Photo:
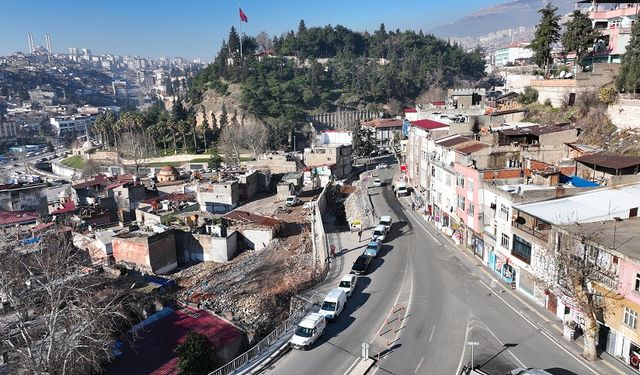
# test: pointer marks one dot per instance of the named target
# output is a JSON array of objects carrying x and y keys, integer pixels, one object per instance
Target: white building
[
  {"x": 512, "y": 53},
  {"x": 67, "y": 124},
  {"x": 8, "y": 130}
]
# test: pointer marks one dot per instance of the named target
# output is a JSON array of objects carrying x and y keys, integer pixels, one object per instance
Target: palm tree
[{"x": 174, "y": 127}]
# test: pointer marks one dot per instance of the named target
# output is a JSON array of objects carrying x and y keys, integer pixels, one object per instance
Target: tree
[
  {"x": 196, "y": 355},
  {"x": 50, "y": 147},
  {"x": 205, "y": 129},
  {"x": 628, "y": 78},
  {"x": 90, "y": 169},
  {"x": 63, "y": 314},
  {"x": 230, "y": 144},
  {"x": 528, "y": 96},
  {"x": 215, "y": 160},
  {"x": 224, "y": 118},
  {"x": 579, "y": 35},
  {"x": 547, "y": 33},
  {"x": 254, "y": 136},
  {"x": 577, "y": 266},
  {"x": 234, "y": 42},
  {"x": 178, "y": 112},
  {"x": 363, "y": 143},
  {"x": 263, "y": 41},
  {"x": 134, "y": 147}
]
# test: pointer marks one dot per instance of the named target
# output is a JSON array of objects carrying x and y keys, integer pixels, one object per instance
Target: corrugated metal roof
[
  {"x": 608, "y": 160},
  {"x": 452, "y": 141},
  {"x": 471, "y": 147},
  {"x": 594, "y": 205},
  {"x": 17, "y": 217},
  {"x": 245, "y": 217}
]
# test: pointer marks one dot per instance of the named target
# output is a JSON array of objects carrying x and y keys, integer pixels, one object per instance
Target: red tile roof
[
  {"x": 98, "y": 180},
  {"x": 245, "y": 217},
  {"x": 439, "y": 103},
  {"x": 410, "y": 110},
  {"x": 452, "y": 141},
  {"x": 471, "y": 147},
  {"x": 427, "y": 124},
  {"x": 17, "y": 217},
  {"x": 66, "y": 207},
  {"x": 153, "y": 350}
]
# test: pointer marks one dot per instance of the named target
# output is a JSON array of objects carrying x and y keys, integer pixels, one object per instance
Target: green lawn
[{"x": 75, "y": 161}]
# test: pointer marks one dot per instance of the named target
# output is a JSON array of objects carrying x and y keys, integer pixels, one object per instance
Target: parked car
[
  {"x": 382, "y": 166},
  {"x": 377, "y": 182},
  {"x": 372, "y": 249},
  {"x": 348, "y": 284},
  {"x": 402, "y": 190},
  {"x": 308, "y": 331},
  {"x": 386, "y": 221},
  {"x": 361, "y": 265},
  {"x": 292, "y": 200},
  {"x": 379, "y": 233},
  {"x": 333, "y": 303},
  {"x": 528, "y": 371}
]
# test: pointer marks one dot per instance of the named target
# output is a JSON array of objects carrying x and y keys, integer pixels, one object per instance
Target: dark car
[{"x": 361, "y": 265}]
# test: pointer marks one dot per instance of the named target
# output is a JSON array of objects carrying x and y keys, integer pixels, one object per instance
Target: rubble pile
[{"x": 358, "y": 205}]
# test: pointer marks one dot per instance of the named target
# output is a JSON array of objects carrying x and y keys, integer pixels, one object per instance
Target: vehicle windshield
[
  {"x": 304, "y": 332},
  {"x": 328, "y": 306},
  {"x": 385, "y": 222},
  {"x": 377, "y": 233},
  {"x": 345, "y": 284}
]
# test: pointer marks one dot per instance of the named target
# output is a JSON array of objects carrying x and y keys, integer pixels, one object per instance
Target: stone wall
[
  {"x": 625, "y": 114},
  {"x": 194, "y": 247}
]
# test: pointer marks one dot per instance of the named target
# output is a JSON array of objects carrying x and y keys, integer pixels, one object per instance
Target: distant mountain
[{"x": 512, "y": 15}]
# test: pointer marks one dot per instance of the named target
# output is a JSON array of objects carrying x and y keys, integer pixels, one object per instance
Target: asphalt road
[{"x": 420, "y": 305}]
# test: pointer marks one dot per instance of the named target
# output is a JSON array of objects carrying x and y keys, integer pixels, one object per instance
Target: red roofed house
[
  {"x": 10, "y": 219},
  {"x": 411, "y": 114},
  {"x": 153, "y": 351},
  {"x": 384, "y": 130}
]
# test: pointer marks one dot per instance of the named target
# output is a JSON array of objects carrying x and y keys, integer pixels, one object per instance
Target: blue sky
[{"x": 195, "y": 28}]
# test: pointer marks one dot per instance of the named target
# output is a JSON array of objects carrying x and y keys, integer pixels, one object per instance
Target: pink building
[
  {"x": 615, "y": 27},
  {"x": 469, "y": 204}
]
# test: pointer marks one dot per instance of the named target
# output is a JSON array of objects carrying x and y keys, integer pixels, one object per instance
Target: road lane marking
[
  {"x": 431, "y": 336},
  {"x": 352, "y": 366},
  {"x": 419, "y": 364},
  {"x": 539, "y": 329},
  {"x": 425, "y": 229},
  {"x": 501, "y": 343},
  {"x": 464, "y": 345}
]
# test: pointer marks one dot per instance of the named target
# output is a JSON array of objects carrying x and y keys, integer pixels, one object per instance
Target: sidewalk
[{"x": 528, "y": 309}]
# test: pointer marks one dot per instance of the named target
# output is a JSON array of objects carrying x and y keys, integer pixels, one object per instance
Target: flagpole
[{"x": 240, "y": 31}]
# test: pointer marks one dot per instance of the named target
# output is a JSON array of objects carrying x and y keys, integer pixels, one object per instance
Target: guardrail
[{"x": 265, "y": 343}]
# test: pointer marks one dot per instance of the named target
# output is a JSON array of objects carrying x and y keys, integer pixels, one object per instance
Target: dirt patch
[{"x": 254, "y": 289}]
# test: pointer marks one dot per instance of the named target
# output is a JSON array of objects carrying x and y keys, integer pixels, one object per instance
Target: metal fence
[{"x": 265, "y": 343}]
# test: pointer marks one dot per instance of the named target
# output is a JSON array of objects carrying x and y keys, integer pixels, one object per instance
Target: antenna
[{"x": 32, "y": 47}]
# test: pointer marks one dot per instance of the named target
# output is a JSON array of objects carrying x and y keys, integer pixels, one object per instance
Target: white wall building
[
  {"x": 512, "y": 53},
  {"x": 66, "y": 124}
]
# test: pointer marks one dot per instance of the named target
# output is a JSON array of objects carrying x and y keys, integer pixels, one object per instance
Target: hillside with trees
[{"x": 320, "y": 69}]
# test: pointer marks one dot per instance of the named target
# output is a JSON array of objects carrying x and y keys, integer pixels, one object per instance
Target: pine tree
[
  {"x": 628, "y": 79},
  {"x": 301, "y": 27},
  {"x": 579, "y": 35},
  {"x": 224, "y": 120},
  {"x": 234, "y": 42},
  {"x": 546, "y": 35},
  {"x": 196, "y": 355}
]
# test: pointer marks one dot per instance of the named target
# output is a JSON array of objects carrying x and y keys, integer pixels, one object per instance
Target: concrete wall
[
  {"x": 63, "y": 171},
  {"x": 625, "y": 113},
  {"x": 155, "y": 253},
  {"x": 257, "y": 238},
  {"x": 193, "y": 247}
]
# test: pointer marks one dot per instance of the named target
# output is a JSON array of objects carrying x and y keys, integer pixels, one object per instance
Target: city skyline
[{"x": 151, "y": 29}]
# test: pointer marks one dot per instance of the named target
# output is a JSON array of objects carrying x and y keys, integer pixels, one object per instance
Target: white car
[
  {"x": 348, "y": 284},
  {"x": 377, "y": 182},
  {"x": 528, "y": 371},
  {"x": 379, "y": 233},
  {"x": 308, "y": 331},
  {"x": 386, "y": 221},
  {"x": 292, "y": 200}
]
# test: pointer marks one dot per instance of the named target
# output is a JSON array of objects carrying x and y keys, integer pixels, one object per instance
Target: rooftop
[
  {"x": 452, "y": 140},
  {"x": 153, "y": 350},
  {"x": 595, "y": 205},
  {"x": 471, "y": 147},
  {"x": 244, "y": 217},
  {"x": 383, "y": 123},
  {"x": 427, "y": 124},
  {"x": 608, "y": 160},
  {"x": 17, "y": 217},
  {"x": 620, "y": 236}
]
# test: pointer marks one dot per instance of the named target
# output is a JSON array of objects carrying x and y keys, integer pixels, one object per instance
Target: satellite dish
[
  {"x": 521, "y": 220},
  {"x": 562, "y": 74}
]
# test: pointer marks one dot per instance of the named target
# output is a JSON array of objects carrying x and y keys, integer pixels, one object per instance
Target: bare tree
[
  {"x": 62, "y": 314},
  {"x": 580, "y": 267},
  {"x": 134, "y": 147},
  {"x": 91, "y": 168},
  {"x": 263, "y": 41},
  {"x": 254, "y": 136},
  {"x": 230, "y": 143}
]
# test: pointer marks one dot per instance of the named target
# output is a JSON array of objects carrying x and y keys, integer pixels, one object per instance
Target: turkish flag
[{"x": 243, "y": 17}]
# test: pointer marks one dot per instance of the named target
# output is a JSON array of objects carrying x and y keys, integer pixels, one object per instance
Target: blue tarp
[
  {"x": 577, "y": 181},
  {"x": 31, "y": 241}
]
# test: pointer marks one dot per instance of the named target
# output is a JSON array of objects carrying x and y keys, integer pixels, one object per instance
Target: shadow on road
[
  {"x": 397, "y": 229},
  {"x": 560, "y": 371},
  {"x": 506, "y": 347}
]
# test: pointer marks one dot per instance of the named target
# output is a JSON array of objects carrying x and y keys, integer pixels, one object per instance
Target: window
[
  {"x": 637, "y": 287},
  {"x": 504, "y": 210},
  {"x": 504, "y": 241},
  {"x": 470, "y": 183},
  {"x": 447, "y": 180},
  {"x": 461, "y": 202},
  {"x": 630, "y": 317},
  {"x": 521, "y": 249},
  {"x": 460, "y": 180},
  {"x": 470, "y": 209}
]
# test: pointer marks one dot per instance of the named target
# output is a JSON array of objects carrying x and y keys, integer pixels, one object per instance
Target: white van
[
  {"x": 333, "y": 304},
  {"x": 386, "y": 221},
  {"x": 379, "y": 233},
  {"x": 348, "y": 284},
  {"x": 308, "y": 331}
]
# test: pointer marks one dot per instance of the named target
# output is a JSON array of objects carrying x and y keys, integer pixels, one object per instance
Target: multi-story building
[
  {"x": 69, "y": 124},
  {"x": 8, "y": 130},
  {"x": 23, "y": 197},
  {"x": 614, "y": 26},
  {"x": 512, "y": 54},
  {"x": 384, "y": 132},
  {"x": 336, "y": 156}
]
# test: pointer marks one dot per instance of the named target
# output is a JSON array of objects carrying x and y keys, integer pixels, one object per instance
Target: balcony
[
  {"x": 539, "y": 234},
  {"x": 613, "y": 13}
]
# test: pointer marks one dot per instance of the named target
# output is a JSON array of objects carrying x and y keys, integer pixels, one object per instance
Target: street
[{"x": 421, "y": 304}]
